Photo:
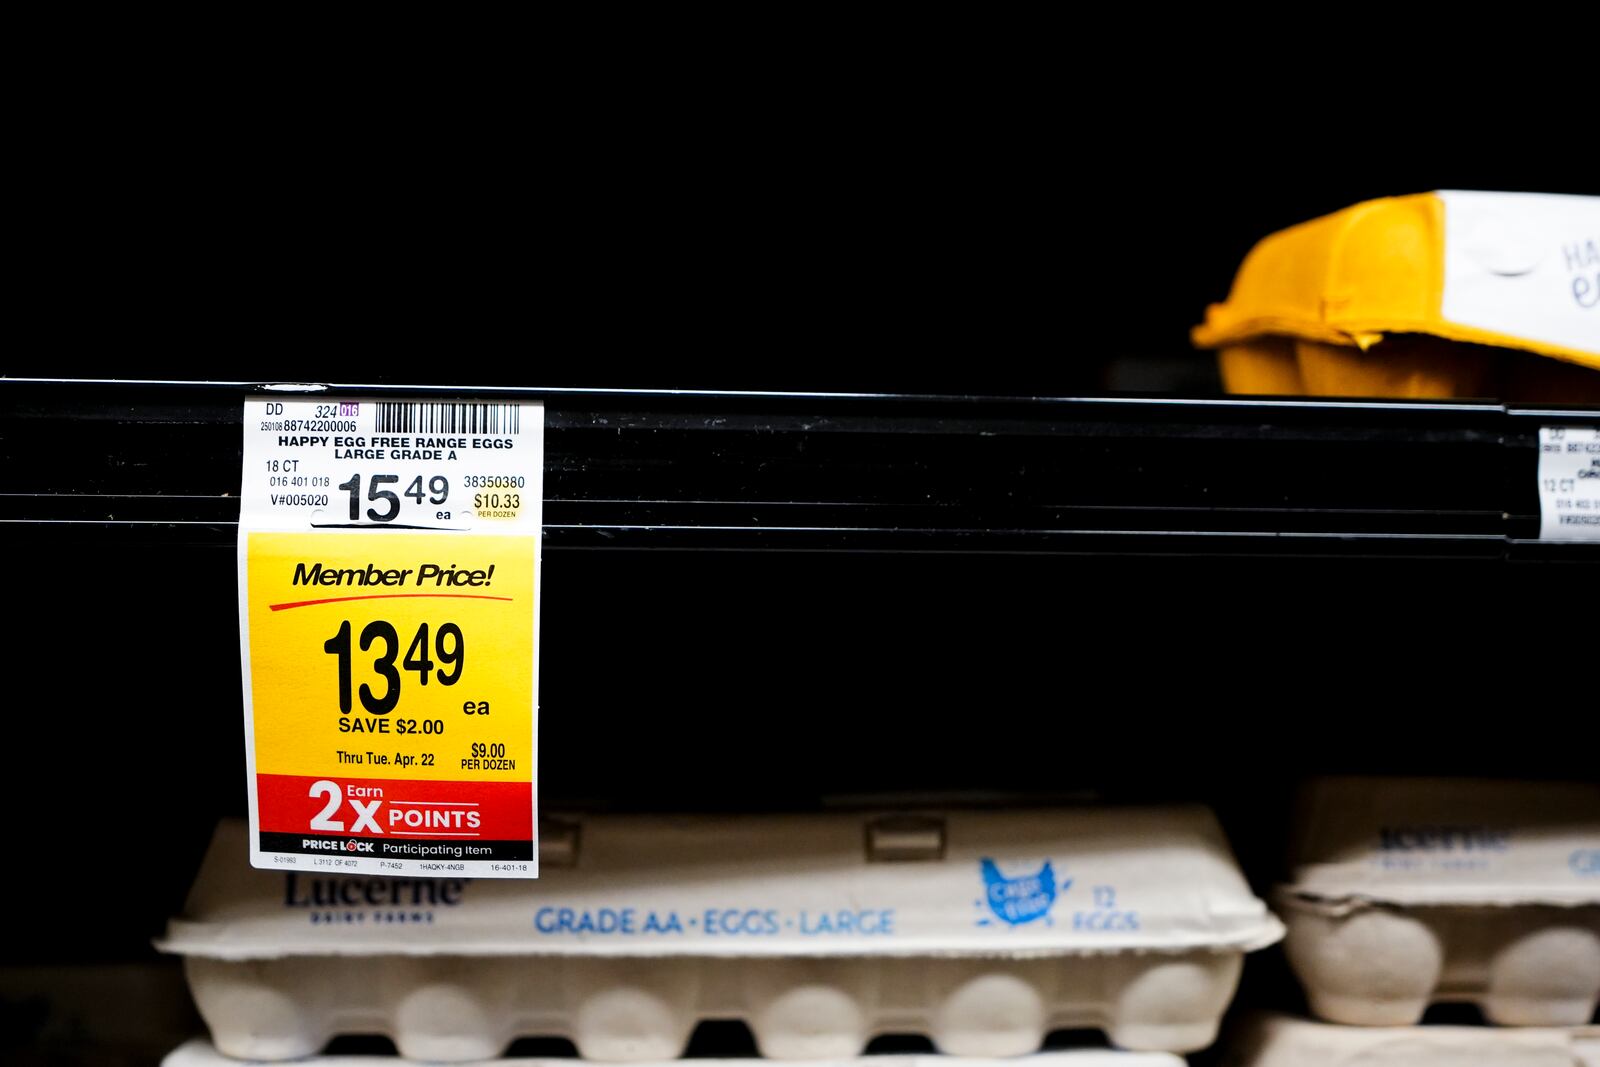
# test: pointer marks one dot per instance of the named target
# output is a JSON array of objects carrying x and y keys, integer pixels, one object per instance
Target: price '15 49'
[
  {"x": 437, "y": 492},
  {"x": 449, "y": 649}
]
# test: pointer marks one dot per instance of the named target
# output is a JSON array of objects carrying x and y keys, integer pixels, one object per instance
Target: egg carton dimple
[
  {"x": 1383, "y": 966},
  {"x": 1413, "y": 892},
  {"x": 463, "y": 1008},
  {"x": 200, "y": 1053},
  {"x": 982, "y": 930}
]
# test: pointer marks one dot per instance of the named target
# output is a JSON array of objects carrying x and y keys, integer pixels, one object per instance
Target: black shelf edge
[{"x": 687, "y": 470}]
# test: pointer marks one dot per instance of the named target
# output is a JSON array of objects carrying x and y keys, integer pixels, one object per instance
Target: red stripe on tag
[{"x": 384, "y": 807}]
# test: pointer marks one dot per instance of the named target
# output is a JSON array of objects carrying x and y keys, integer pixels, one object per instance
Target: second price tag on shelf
[{"x": 389, "y": 622}]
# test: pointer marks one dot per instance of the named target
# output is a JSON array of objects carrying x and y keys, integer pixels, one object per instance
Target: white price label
[
  {"x": 392, "y": 465},
  {"x": 1524, "y": 264},
  {"x": 388, "y": 605},
  {"x": 1569, "y": 483}
]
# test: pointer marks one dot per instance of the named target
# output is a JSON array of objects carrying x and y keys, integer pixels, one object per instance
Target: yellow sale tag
[{"x": 391, "y": 651}]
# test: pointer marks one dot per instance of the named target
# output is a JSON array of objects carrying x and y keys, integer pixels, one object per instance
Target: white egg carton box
[
  {"x": 984, "y": 930},
  {"x": 1280, "y": 1041},
  {"x": 1407, "y": 892},
  {"x": 201, "y": 1053}
]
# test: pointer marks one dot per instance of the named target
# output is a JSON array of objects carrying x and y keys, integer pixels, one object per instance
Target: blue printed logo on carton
[
  {"x": 1018, "y": 899},
  {"x": 1585, "y": 862}
]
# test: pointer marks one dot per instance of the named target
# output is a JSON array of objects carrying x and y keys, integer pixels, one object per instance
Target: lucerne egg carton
[
  {"x": 983, "y": 930},
  {"x": 199, "y": 1053},
  {"x": 1408, "y": 892},
  {"x": 1279, "y": 1041}
]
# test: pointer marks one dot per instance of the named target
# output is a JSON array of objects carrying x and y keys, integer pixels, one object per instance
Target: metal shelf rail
[{"x": 159, "y": 461}]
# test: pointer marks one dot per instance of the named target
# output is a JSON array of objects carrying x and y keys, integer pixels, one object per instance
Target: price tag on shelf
[
  {"x": 388, "y": 608},
  {"x": 1569, "y": 483}
]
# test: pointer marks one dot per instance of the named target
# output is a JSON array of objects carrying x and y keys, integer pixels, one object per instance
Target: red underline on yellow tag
[{"x": 385, "y": 596}]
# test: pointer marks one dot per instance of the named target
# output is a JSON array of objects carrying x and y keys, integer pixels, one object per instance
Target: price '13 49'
[{"x": 449, "y": 648}]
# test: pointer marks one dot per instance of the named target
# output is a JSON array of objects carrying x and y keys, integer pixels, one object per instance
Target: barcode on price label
[{"x": 395, "y": 417}]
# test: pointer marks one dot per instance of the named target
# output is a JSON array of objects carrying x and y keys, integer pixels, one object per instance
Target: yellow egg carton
[{"x": 1441, "y": 294}]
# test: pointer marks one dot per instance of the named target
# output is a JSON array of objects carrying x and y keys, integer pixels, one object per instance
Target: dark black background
[
  {"x": 1024, "y": 228},
  {"x": 902, "y": 219}
]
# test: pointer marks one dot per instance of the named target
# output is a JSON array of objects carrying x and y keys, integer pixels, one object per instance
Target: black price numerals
[
  {"x": 437, "y": 492},
  {"x": 449, "y": 648}
]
